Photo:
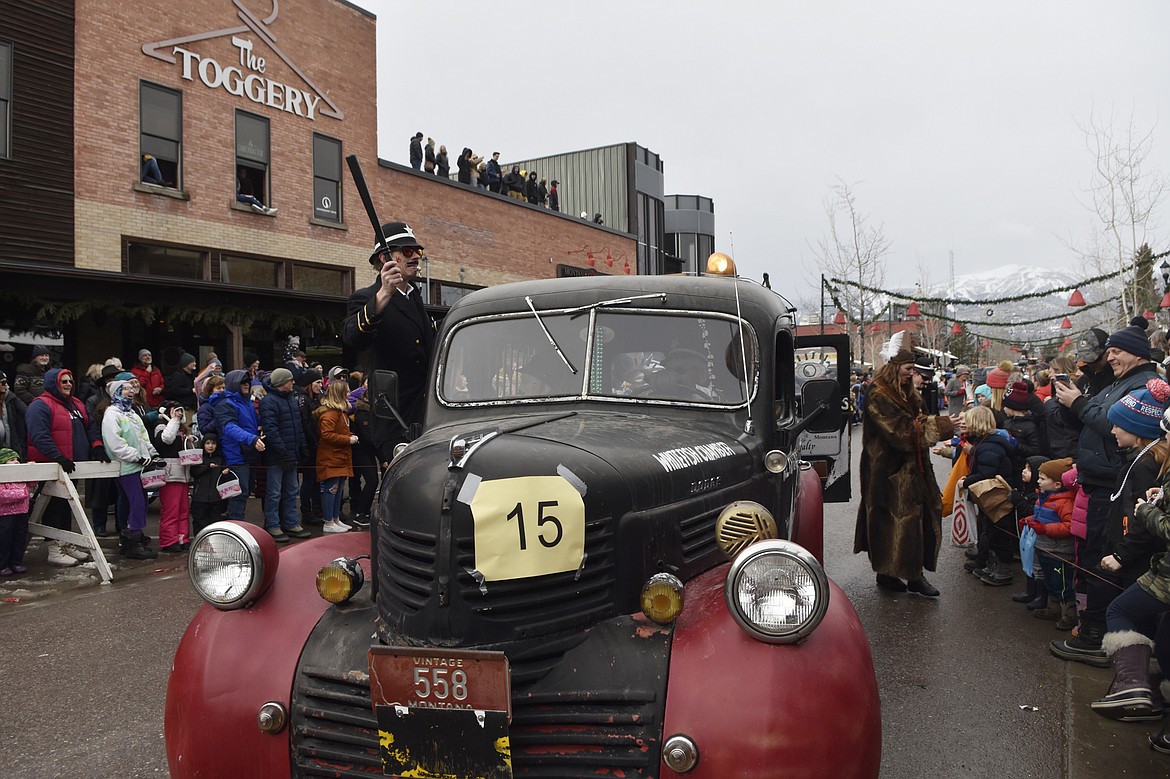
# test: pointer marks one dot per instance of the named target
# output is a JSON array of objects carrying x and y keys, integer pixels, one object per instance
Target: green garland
[
  {"x": 976, "y": 322},
  {"x": 989, "y": 301}
]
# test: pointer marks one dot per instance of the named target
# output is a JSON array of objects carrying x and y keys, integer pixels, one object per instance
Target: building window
[
  {"x": 146, "y": 259},
  {"x": 160, "y": 121},
  {"x": 252, "y": 157},
  {"x": 248, "y": 272},
  {"x": 330, "y": 281},
  {"x": 448, "y": 292},
  {"x": 326, "y": 178}
]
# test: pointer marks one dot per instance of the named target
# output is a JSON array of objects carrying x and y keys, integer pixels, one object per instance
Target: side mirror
[
  {"x": 821, "y": 403},
  {"x": 383, "y": 397}
]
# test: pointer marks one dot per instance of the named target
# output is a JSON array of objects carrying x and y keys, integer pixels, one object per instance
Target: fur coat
[{"x": 899, "y": 521}]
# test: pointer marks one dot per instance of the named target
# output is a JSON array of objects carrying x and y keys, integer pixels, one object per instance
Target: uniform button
[{"x": 416, "y": 342}]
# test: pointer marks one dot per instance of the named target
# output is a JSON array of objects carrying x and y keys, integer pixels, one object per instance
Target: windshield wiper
[
  {"x": 614, "y": 302},
  {"x": 551, "y": 340}
]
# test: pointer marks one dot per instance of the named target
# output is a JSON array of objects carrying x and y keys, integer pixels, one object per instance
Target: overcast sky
[{"x": 958, "y": 125}]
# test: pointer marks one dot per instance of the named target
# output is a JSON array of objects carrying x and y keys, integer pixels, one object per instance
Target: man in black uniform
[{"x": 388, "y": 321}]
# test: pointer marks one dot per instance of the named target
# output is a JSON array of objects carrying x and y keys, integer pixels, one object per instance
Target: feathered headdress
[{"x": 895, "y": 352}]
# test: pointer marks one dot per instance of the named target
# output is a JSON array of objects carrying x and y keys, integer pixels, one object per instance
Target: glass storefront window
[
  {"x": 309, "y": 278},
  {"x": 150, "y": 260},
  {"x": 249, "y": 272}
]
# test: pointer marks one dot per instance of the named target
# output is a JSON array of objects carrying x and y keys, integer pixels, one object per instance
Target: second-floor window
[
  {"x": 252, "y": 157},
  {"x": 160, "y": 140},
  {"x": 326, "y": 178}
]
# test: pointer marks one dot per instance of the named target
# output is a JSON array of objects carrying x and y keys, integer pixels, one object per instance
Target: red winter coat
[
  {"x": 334, "y": 451},
  {"x": 150, "y": 381}
]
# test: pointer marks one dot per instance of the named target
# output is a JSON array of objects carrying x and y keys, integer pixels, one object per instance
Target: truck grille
[
  {"x": 408, "y": 562},
  {"x": 593, "y": 714}
]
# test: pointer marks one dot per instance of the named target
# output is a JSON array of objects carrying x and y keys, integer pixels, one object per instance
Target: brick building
[{"x": 119, "y": 251}]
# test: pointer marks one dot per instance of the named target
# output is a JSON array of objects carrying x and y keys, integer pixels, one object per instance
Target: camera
[{"x": 1063, "y": 377}]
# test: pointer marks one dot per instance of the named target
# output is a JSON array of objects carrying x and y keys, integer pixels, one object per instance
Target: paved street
[{"x": 968, "y": 687}]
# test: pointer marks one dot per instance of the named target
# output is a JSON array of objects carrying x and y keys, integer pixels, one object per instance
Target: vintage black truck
[{"x": 601, "y": 557}]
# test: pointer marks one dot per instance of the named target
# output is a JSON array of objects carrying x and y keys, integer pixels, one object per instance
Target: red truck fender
[
  {"x": 809, "y": 517},
  {"x": 230, "y": 663},
  {"x": 803, "y": 711}
]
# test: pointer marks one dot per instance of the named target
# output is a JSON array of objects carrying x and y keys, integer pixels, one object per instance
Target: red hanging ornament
[
  {"x": 912, "y": 309},
  {"x": 1067, "y": 343},
  {"x": 986, "y": 343},
  {"x": 1076, "y": 298},
  {"x": 840, "y": 318},
  {"x": 1066, "y": 324},
  {"x": 589, "y": 259},
  {"x": 609, "y": 259},
  {"x": 1165, "y": 301},
  {"x": 956, "y": 329},
  {"x": 1148, "y": 314},
  {"x": 627, "y": 266}
]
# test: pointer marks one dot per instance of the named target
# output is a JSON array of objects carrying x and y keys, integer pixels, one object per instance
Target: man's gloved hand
[
  {"x": 65, "y": 463},
  {"x": 157, "y": 464},
  {"x": 144, "y": 461},
  {"x": 100, "y": 453}
]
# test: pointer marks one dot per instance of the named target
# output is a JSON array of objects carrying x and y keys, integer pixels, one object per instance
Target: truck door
[{"x": 826, "y": 357}]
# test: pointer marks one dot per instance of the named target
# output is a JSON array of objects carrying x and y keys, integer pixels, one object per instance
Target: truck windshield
[{"x": 661, "y": 356}]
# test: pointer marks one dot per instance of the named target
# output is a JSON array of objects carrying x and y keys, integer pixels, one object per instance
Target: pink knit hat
[{"x": 997, "y": 379}]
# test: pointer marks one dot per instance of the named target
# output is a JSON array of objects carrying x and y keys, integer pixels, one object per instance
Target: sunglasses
[{"x": 409, "y": 252}]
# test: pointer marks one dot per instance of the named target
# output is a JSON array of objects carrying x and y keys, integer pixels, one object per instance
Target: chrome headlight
[
  {"x": 231, "y": 564},
  {"x": 777, "y": 591}
]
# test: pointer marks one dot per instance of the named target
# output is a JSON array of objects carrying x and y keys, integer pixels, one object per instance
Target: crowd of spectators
[
  {"x": 474, "y": 171},
  {"x": 1066, "y": 464},
  {"x": 201, "y": 440}
]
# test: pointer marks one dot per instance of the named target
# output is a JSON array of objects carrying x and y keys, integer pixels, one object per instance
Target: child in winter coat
[
  {"x": 127, "y": 441},
  {"x": 206, "y": 505},
  {"x": 1052, "y": 521},
  {"x": 334, "y": 452},
  {"x": 169, "y": 435},
  {"x": 1024, "y": 500},
  {"x": 14, "y": 500},
  {"x": 990, "y": 455}
]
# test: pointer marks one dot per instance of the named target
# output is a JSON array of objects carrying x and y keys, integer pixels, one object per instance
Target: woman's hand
[
  {"x": 353, "y": 439},
  {"x": 1111, "y": 564}
]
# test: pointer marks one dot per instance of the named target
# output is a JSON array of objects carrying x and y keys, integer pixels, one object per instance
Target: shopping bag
[
  {"x": 190, "y": 454},
  {"x": 959, "y": 470},
  {"x": 963, "y": 531},
  {"x": 1027, "y": 549},
  {"x": 993, "y": 497},
  {"x": 230, "y": 488}
]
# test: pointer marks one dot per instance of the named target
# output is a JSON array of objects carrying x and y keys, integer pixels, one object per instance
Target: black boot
[
  {"x": 1029, "y": 593},
  {"x": 1041, "y": 599},
  {"x": 1129, "y": 695},
  {"x": 134, "y": 547},
  {"x": 1085, "y": 647}
]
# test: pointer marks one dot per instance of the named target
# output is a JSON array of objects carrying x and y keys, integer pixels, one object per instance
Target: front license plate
[
  {"x": 440, "y": 679},
  {"x": 442, "y": 712}
]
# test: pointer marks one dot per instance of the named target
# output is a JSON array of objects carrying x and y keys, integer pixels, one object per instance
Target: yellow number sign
[{"x": 528, "y": 526}]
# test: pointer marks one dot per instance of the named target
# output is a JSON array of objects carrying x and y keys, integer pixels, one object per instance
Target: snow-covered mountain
[{"x": 1012, "y": 280}]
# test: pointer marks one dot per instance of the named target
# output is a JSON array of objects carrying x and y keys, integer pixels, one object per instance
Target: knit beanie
[
  {"x": 38, "y": 350},
  {"x": 186, "y": 359},
  {"x": 997, "y": 377},
  {"x": 1140, "y": 412},
  {"x": 308, "y": 377},
  {"x": 1018, "y": 396},
  {"x": 124, "y": 376},
  {"x": 1054, "y": 469},
  {"x": 279, "y": 377},
  {"x": 1132, "y": 339},
  {"x": 7, "y": 456}
]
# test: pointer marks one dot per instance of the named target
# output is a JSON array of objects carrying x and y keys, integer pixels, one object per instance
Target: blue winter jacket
[
  {"x": 280, "y": 417},
  {"x": 235, "y": 416},
  {"x": 993, "y": 455}
]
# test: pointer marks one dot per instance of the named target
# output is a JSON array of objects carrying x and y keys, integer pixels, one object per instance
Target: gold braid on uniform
[{"x": 367, "y": 323}]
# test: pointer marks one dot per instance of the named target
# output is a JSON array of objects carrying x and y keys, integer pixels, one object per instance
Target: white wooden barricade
[{"x": 60, "y": 484}]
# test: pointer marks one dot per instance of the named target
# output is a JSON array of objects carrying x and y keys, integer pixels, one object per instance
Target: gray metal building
[
  {"x": 622, "y": 183},
  {"x": 690, "y": 232}
]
